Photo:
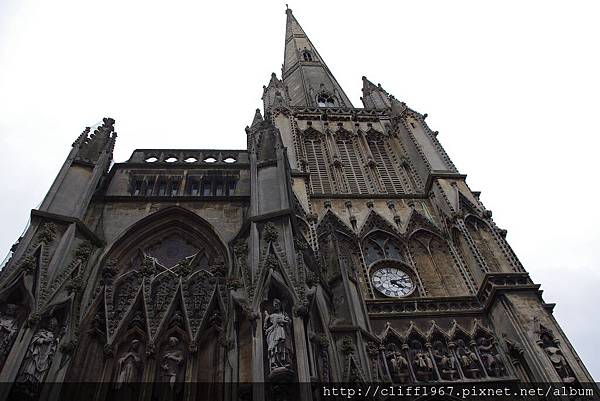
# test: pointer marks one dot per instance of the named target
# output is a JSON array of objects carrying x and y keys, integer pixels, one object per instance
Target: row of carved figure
[
  {"x": 409, "y": 357},
  {"x": 418, "y": 361},
  {"x": 461, "y": 355}
]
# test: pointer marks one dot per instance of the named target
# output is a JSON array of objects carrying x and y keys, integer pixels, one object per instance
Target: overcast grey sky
[{"x": 512, "y": 86}]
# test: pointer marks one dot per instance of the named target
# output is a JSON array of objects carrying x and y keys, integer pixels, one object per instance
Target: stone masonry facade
[{"x": 342, "y": 245}]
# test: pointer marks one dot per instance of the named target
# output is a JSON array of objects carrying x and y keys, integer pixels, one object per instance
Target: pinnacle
[{"x": 258, "y": 118}]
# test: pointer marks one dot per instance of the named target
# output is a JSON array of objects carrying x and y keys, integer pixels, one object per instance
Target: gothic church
[{"x": 342, "y": 245}]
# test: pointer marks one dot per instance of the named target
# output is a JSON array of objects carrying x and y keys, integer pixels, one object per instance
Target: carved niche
[
  {"x": 277, "y": 328},
  {"x": 551, "y": 346},
  {"x": 11, "y": 317},
  {"x": 39, "y": 357}
]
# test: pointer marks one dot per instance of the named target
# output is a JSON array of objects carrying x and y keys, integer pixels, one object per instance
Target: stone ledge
[{"x": 81, "y": 226}]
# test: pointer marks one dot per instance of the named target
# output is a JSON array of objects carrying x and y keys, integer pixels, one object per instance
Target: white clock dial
[{"x": 393, "y": 282}]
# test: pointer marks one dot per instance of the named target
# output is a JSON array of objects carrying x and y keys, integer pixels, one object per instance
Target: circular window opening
[
  {"x": 171, "y": 159},
  {"x": 209, "y": 160},
  {"x": 191, "y": 160},
  {"x": 151, "y": 159},
  {"x": 230, "y": 160}
]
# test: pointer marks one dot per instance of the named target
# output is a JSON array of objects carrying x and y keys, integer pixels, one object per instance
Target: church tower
[{"x": 342, "y": 245}]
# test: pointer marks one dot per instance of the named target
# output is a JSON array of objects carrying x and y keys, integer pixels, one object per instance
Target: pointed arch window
[
  {"x": 307, "y": 55},
  {"x": 355, "y": 176},
  {"x": 379, "y": 245},
  {"x": 316, "y": 156},
  {"x": 325, "y": 100},
  {"x": 385, "y": 164}
]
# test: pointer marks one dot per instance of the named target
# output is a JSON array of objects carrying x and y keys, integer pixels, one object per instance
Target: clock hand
[{"x": 397, "y": 283}]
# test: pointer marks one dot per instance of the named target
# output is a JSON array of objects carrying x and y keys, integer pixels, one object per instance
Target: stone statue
[
  {"x": 558, "y": 359},
  {"x": 422, "y": 362},
  {"x": 445, "y": 361},
  {"x": 39, "y": 354},
  {"x": 277, "y": 326},
  {"x": 171, "y": 362},
  {"x": 9, "y": 326},
  {"x": 468, "y": 360},
  {"x": 129, "y": 365},
  {"x": 489, "y": 356},
  {"x": 398, "y": 363}
]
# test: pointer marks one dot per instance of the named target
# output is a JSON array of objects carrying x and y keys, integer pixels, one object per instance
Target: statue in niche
[
  {"x": 277, "y": 326},
  {"x": 129, "y": 365},
  {"x": 445, "y": 361},
  {"x": 557, "y": 358},
  {"x": 398, "y": 364},
  {"x": 39, "y": 354},
  {"x": 468, "y": 360},
  {"x": 9, "y": 326},
  {"x": 489, "y": 357},
  {"x": 423, "y": 365},
  {"x": 171, "y": 362}
]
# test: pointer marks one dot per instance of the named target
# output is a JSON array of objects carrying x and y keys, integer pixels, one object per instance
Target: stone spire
[
  {"x": 91, "y": 146},
  {"x": 308, "y": 80},
  {"x": 258, "y": 118},
  {"x": 275, "y": 94},
  {"x": 374, "y": 96}
]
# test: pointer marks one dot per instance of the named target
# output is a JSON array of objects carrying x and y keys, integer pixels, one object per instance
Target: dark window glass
[
  {"x": 162, "y": 188},
  {"x": 194, "y": 187},
  {"x": 149, "y": 187},
  {"x": 206, "y": 188},
  {"x": 174, "y": 188},
  {"x": 137, "y": 187},
  {"x": 230, "y": 187},
  {"x": 219, "y": 188},
  {"x": 325, "y": 100}
]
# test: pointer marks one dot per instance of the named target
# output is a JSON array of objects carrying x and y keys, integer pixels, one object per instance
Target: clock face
[{"x": 393, "y": 282}]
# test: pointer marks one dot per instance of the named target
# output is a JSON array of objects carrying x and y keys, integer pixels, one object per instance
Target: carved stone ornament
[
  {"x": 270, "y": 233},
  {"x": 397, "y": 363},
  {"x": 171, "y": 362},
  {"x": 9, "y": 326},
  {"x": 347, "y": 346},
  {"x": 421, "y": 361},
  {"x": 129, "y": 365},
  {"x": 240, "y": 248},
  {"x": 47, "y": 233},
  {"x": 39, "y": 355},
  {"x": 468, "y": 360},
  {"x": 28, "y": 264},
  {"x": 445, "y": 361},
  {"x": 278, "y": 332},
  {"x": 551, "y": 345},
  {"x": 490, "y": 357},
  {"x": 83, "y": 251}
]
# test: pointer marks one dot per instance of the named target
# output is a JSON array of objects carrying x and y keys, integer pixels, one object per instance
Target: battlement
[{"x": 188, "y": 157}]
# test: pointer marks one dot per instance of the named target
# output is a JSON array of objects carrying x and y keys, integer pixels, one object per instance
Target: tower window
[
  {"x": 137, "y": 186},
  {"x": 194, "y": 187},
  {"x": 307, "y": 56},
  {"x": 230, "y": 187},
  {"x": 218, "y": 188},
  {"x": 162, "y": 187},
  {"x": 149, "y": 187},
  {"x": 206, "y": 188},
  {"x": 325, "y": 100},
  {"x": 174, "y": 187}
]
